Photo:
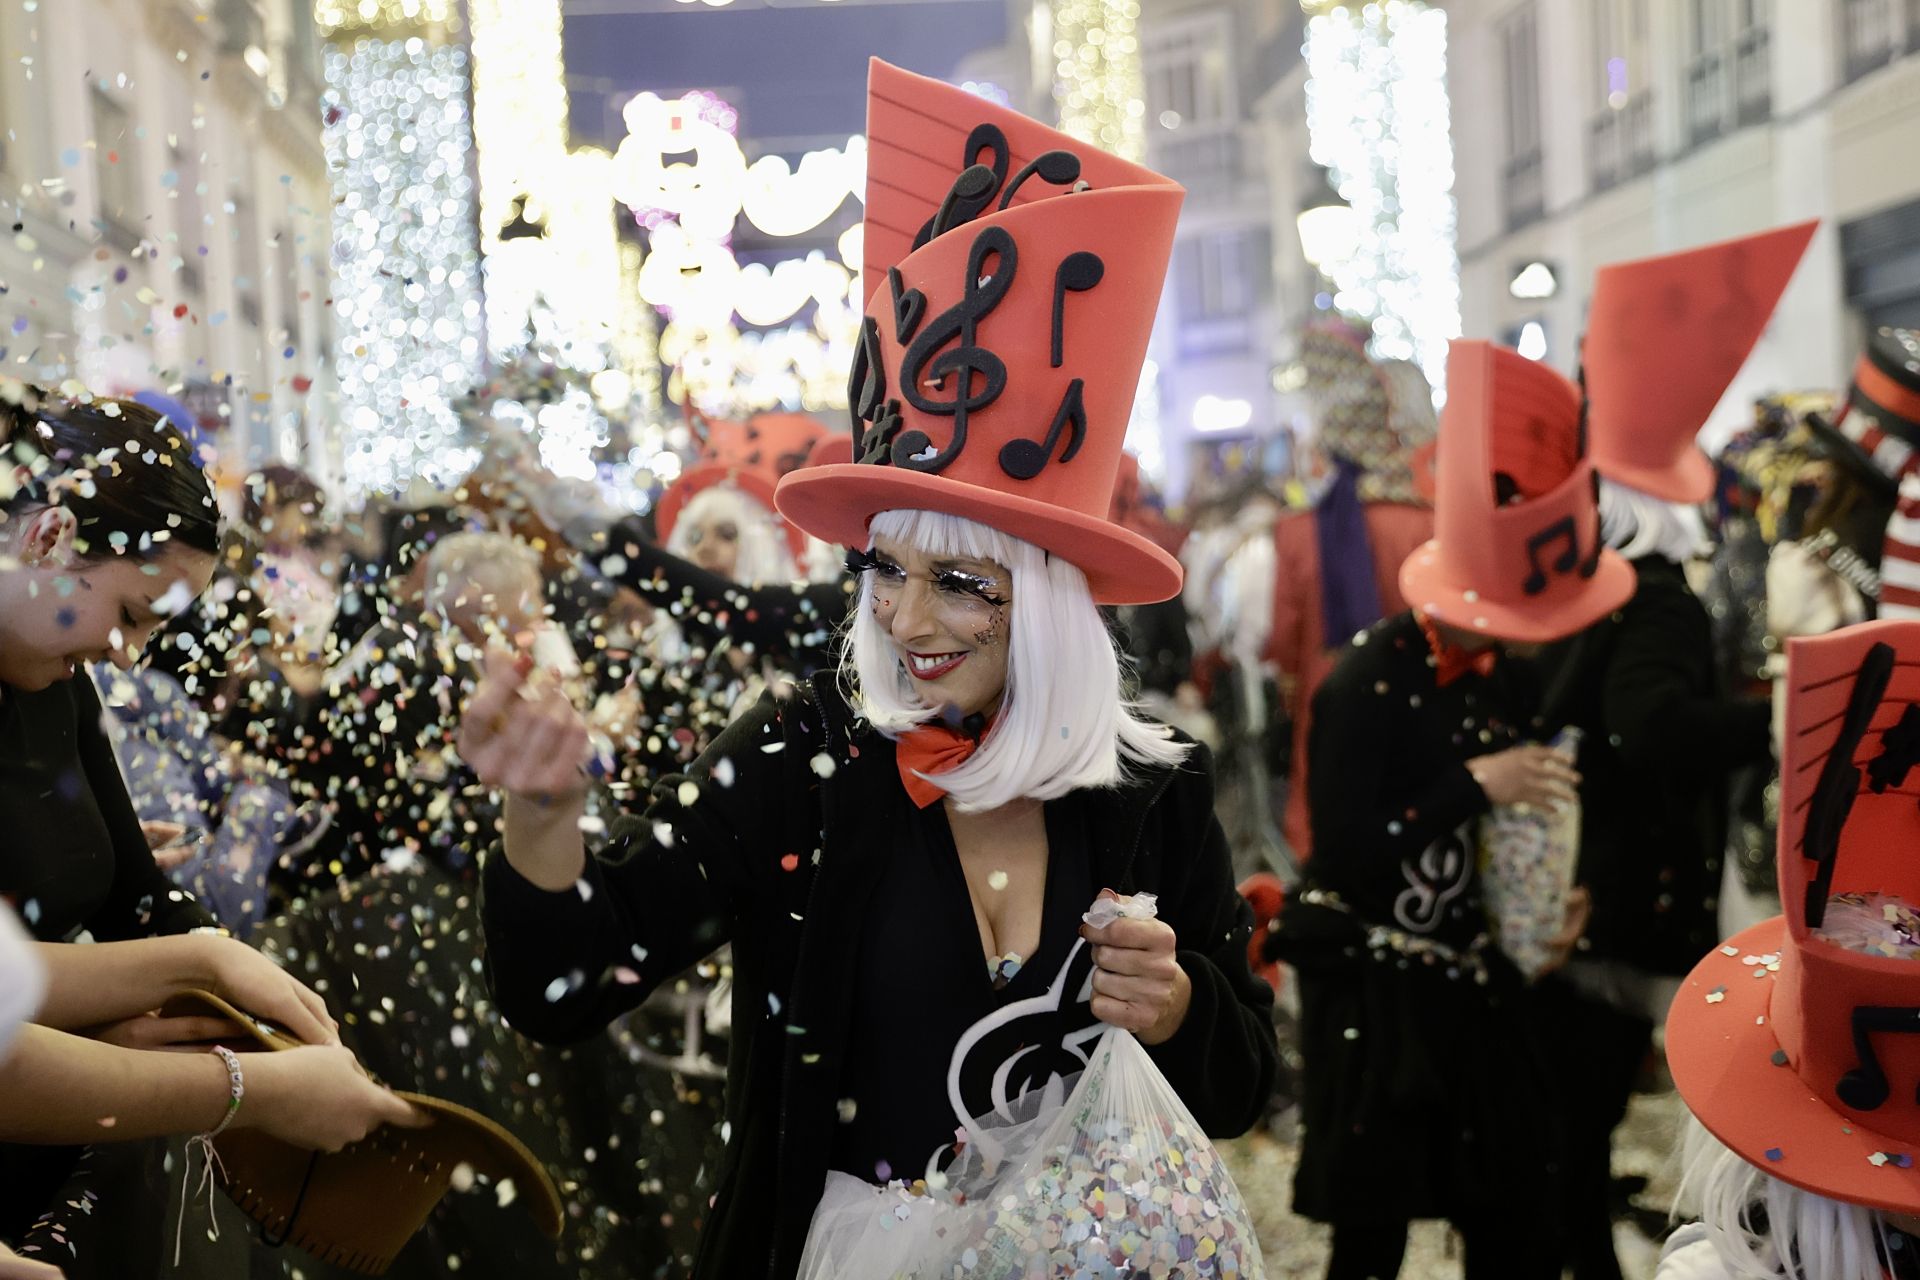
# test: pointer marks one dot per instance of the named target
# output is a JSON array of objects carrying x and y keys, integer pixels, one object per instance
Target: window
[
  {"x": 190, "y": 216},
  {"x": 1186, "y": 80},
  {"x": 116, "y": 170},
  {"x": 1729, "y": 77},
  {"x": 1622, "y": 59},
  {"x": 1874, "y": 32},
  {"x": 1525, "y": 190},
  {"x": 246, "y": 238},
  {"x": 1220, "y": 279}
]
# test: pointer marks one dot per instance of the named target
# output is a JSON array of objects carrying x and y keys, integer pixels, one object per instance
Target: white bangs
[
  {"x": 1065, "y": 722},
  {"x": 763, "y": 555}
]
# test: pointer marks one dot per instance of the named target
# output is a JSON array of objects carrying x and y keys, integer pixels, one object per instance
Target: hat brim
[
  {"x": 1689, "y": 480},
  {"x": 1857, "y": 462},
  {"x": 705, "y": 475},
  {"x": 837, "y": 501},
  {"x": 1425, "y": 586},
  {"x": 1721, "y": 1055}
]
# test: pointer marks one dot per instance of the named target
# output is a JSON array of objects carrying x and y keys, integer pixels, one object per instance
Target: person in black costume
[{"x": 987, "y": 781}]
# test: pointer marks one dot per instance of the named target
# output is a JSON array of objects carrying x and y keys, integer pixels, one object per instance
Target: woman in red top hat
[
  {"x": 1425, "y": 1094},
  {"x": 1794, "y": 1045},
  {"x": 1660, "y": 737},
  {"x": 901, "y": 851}
]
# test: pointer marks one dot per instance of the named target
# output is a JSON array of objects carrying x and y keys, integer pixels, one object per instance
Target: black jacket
[
  {"x": 1660, "y": 740},
  {"x": 767, "y": 845}
]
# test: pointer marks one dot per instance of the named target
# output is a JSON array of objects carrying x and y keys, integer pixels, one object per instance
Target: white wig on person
[
  {"x": 1638, "y": 524},
  {"x": 1802, "y": 1236},
  {"x": 763, "y": 555},
  {"x": 1065, "y": 721},
  {"x": 470, "y": 568}
]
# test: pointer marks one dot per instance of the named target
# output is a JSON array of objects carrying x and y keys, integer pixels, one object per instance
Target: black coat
[
  {"x": 1660, "y": 741},
  {"x": 772, "y": 854}
]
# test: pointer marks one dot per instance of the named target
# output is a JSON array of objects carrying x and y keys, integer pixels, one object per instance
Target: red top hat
[
  {"x": 1879, "y": 422},
  {"x": 1013, "y": 274},
  {"x": 1799, "y": 1054},
  {"x": 1665, "y": 337},
  {"x": 751, "y": 456},
  {"x": 1516, "y": 553}
]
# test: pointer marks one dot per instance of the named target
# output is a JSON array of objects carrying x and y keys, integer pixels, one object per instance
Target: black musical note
[
  {"x": 971, "y": 192},
  {"x": 1023, "y": 459},
  {"x": 877, "y": 446},
  {"x": 1078, "y": 272},
  {"x": 1839, "y": 784},
  {"x": 866, "y": 380},
  {"x": 990, "y": 268},
  {"x": 1058, "y": 168},
  {"x": 1865, "y": 1087},
  {"x": 1899, "y": 752},
  {"x": 1560, "y": 530},
  {"x": 909, "y": 305}
]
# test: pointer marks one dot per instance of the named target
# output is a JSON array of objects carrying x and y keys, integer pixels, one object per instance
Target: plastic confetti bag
[
  {"x": 1115, "y": 1180},
  {"x": 1528, "y": 857}
]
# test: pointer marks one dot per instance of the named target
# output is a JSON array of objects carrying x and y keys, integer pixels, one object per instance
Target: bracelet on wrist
[{"x": 237, "y": 1080}]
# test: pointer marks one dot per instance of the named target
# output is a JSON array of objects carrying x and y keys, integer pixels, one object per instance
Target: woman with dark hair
[{"x": 107, "y": 528}]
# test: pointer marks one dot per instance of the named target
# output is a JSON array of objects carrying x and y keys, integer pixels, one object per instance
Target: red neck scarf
[
  {"x": 934, "y": 749},
  {"x": 1450, "y": 660}
]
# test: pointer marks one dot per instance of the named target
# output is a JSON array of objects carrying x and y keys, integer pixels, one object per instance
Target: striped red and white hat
[{"x": 1881, "y": 418}]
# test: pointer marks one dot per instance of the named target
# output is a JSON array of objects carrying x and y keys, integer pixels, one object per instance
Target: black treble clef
[{"x": 990, "y": 267}]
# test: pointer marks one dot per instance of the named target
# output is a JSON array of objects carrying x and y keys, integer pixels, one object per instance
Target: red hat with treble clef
[
  {"x": 1516, "y": 552},
  {"x": 1797, "y": 1044},
  {"x": 1012, "y": 275}
]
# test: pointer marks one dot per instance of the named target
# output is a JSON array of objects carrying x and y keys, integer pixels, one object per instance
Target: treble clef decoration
[{"x": 978, "y": 375}]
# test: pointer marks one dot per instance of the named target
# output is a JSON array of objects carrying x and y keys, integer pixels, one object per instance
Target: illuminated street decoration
[
  {"x": 1098, "y": 82},
  {"x": 1377, "y": 117}
]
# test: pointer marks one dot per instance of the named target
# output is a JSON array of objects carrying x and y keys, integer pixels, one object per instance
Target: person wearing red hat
[
  {"x": 1337, "y": 567},
  {"x": 1793, "y": 1045},
  {"x": 1875, "y": 435},
  {"x": 1659, "y": 736},
  {"x": 1424, "y": 1091},
  {"x": 901, "y": 850}
]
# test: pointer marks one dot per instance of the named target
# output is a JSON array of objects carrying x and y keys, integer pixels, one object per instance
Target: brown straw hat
[{"x": 358, "y": 1206}]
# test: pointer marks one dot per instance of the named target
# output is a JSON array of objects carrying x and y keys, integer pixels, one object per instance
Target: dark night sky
[{"x": 791, "y": 72}]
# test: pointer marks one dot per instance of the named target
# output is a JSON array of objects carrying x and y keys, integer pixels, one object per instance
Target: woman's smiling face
[{"x": 949, "y": 619}]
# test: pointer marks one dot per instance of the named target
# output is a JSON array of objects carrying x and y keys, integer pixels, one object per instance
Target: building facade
[
  {"x": 1588, "y": 131},
  {"x": 161, "y": 162}
]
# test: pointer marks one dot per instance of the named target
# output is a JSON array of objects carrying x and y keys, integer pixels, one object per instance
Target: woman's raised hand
[{"x": 522, "y": 734}]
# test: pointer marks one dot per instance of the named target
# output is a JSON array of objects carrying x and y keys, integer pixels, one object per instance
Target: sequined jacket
[{"x": 766, "y": 843}]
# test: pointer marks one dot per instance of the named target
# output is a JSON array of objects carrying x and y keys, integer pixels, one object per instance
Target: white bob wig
[
  {"x": 1806, "y": 1236},
  {"x": 763, "y": 557},
  {"x": 1638, "y": 524},
  {"x": 1065, "y": 722}
]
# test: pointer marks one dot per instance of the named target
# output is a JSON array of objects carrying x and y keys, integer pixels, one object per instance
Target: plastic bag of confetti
[
  {"x": 1115, "y": 1179},
  {"x": 1528, "y": 857}
]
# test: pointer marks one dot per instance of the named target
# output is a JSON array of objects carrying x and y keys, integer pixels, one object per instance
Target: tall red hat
[
  {"x": 1665, "y": 337},
  {"x": 1802, "y": 1055},
  {"x": 1012, "y": 276},
  {"x": 751, "y": 456},
  {"x": 1516, "y": 552}
]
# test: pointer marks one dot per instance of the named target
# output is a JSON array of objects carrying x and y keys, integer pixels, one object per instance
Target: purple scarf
[{"x": 1349, "y": 596}]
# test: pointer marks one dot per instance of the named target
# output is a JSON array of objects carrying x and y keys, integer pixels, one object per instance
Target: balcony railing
[
  {"x": 1866, "y": 35},
  {"x": 1706, "y": 99},
  {"x": 1525, "y": 190},
  {"x": 1753, "y": 75},
  {"x": 1620, "y": 142}
]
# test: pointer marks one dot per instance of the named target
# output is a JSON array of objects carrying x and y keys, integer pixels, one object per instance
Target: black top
[
  {"x": 776, "y": 846},
  {"x": 924, "y": 988},
  {"x": 73, "y": 857},
  {"x": 791, "y": 623},
  {"x": 1660, "y": 739},
  {"x": 1394, "y": 807}
]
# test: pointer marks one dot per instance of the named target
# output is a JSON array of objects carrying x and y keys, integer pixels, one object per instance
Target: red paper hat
[
  {"x": 1665, "y": 337},
  {"x": 1801, "y": 1055},
  {"x": 1013, "y": 275},
  {"x": 1530, "y": 570},
  {"x": 751, "y": 456}
]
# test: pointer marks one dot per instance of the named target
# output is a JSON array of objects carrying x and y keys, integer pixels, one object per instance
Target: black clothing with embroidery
[
  {"x": 909, "y": 1014},
  {"x": 1425, "y": 1090},
  {"x": 776, "y": 846}
]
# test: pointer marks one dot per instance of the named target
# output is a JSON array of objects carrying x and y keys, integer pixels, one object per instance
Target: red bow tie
[
  {"x": 932, "y": 749},
  {"x": 1451, "y": 661}
]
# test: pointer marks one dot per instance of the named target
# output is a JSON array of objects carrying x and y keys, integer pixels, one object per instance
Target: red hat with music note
[
  {"x": 1665, "y": 337},
  {"x": 1012, "y": 275},
  {"x": 1797, "y": 1044},
  {"x": 751, "y": 456},
  {"x": 1516, "y": 553}
]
